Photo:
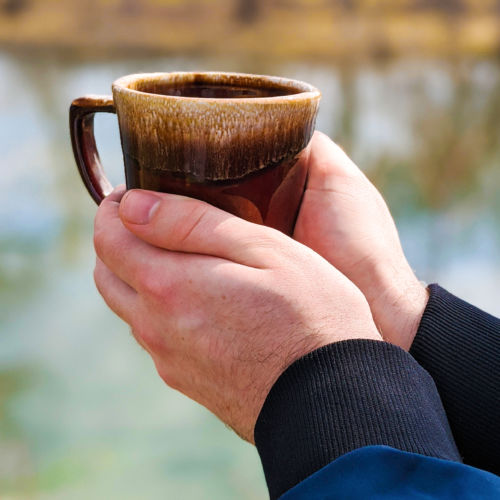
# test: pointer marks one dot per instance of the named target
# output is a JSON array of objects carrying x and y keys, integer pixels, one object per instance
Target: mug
[{"x": 229, "y": 139}]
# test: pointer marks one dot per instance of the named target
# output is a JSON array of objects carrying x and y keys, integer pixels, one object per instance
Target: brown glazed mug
[{"x": 229, "y": 139}]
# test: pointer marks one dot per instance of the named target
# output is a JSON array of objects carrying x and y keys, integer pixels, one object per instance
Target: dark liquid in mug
[
  {"x": 270, "y": 196},
  {"x": 214, "y": 91},
  {"x": 222, "y": 91}
]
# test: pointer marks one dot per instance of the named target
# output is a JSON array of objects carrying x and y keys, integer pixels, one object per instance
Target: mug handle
[{"x": 81, "y": 126}]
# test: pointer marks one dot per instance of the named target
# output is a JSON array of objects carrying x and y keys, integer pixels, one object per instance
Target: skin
[
  {"x": 223, "y": 306},
  {"x": 345, "y": 219}
]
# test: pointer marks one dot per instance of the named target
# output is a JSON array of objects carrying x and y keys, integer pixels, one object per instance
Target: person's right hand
[
  {"x": 345, "y": 219},
  {"x": 222, "y": 305}
]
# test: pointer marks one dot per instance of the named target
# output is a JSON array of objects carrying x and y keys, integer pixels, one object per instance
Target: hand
[
  {"x": 345, "y": 219},
  {"x": 223, "y": 306}
]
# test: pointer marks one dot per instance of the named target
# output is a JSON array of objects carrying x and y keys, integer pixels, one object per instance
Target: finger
[
  {"x": 145, "y": 268},
  {"x": 140, "y": 265},
  {"x": 117, "y": 194},
  {"x": 120, "y": 297},
  {"x": 107, "y": 212},
  {"x": 327, "y": 161},
  {"x": 182, "y": 224}
]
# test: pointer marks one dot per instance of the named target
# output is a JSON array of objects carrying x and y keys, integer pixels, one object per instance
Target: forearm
[
  {"x": 459, "y": 346},
  {"x": 342, "y": 397}
]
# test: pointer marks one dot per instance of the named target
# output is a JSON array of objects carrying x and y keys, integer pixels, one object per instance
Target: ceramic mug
[{"x": 229, "y": 139}]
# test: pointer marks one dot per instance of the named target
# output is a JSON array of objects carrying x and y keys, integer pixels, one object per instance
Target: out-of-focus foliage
[{"x": 318, "y": 28}]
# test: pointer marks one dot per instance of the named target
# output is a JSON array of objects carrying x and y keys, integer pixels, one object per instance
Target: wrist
[{"x": 397, "y": 300}]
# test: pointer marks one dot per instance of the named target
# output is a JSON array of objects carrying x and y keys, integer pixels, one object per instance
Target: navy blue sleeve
[
  {"x": 346, "y": 396},
  {"x": 383, "y": 473},
  {"x": 459, "y": 345}
]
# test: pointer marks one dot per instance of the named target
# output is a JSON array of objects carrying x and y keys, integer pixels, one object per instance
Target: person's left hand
[
  {"x": 345, "y": 220},
  {"x": 223, "y": 306}
]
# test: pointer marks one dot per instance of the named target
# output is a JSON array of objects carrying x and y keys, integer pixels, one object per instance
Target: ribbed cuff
[
  {"x": 345, "y": 396},
  {"x": 459, "y": 345}
]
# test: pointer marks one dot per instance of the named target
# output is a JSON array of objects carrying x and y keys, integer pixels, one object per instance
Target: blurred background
[{"x": 411, "y": 89}]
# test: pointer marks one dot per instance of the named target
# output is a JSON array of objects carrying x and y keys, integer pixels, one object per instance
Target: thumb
[
  {"x": 183, "y": 224},
  {"x": 327, "y": 162}
]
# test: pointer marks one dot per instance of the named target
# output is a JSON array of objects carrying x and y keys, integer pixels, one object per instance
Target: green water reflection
[{"x": 82, "y": 412}]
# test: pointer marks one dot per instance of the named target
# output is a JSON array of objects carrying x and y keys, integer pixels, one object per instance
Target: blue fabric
[{"x": 381, "y": 472}]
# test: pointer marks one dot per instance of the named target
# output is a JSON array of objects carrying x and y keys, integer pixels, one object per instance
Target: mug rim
[{"x": 305, "y": 91}]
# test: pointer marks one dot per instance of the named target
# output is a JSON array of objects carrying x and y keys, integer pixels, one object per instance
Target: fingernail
[{"x": 138, "y": 207}]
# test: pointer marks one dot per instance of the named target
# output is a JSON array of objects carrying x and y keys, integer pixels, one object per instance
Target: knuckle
[
  {"x": 98, "y": 233},
  {"x": 146, "y": 337},
  {"x": 138, "y": 337},
  {"x": 266, "y": 240},
  {"x": 272, "y": 246},
  {"x": 101, "y": 237},
  {"x": 98, "y": 220},
  {"x": 153, "y": 285},
  {"x": 323, "y": 167},
  {"x": 168, "y": 376},
  {"x": 111, "y": 244},
  {"x": 106, "y": 231},
  {"x": 188, "y": 226},
  {"x": 98, "y": 278},
  {"x": 98, "y": 242},
  {"x": 143, "y": 335}
]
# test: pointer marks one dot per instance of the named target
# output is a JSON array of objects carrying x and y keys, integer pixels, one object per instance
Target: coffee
[
  {"x": 205, "y": 86},
  {"x": 229, "y": 139},
  {"x": 204, "y": 90}
]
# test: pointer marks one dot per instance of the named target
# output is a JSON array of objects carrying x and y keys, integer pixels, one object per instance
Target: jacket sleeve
[
  {"x": 342, "y": 397},
  {"x": 380, "y": 472},
  {"x": 459, "y": 345}
]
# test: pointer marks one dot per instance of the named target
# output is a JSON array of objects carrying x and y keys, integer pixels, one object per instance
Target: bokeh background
[{"x": 411, "y": 89}]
